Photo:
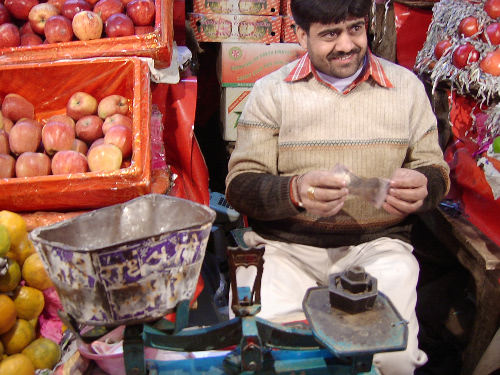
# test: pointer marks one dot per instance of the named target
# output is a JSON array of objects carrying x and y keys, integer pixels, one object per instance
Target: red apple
[
  {"x": 141, "y": 30},
  {"x": 33, "y": 164},
  {"x": 89, "y": 128},
  {"x": 7, "y": 166},
  {"x": 106, "y": 8},
  {"x": 30, "y": 40},
  {"x": 20, "y": 8},
  {"x": 39, "y": 14},
  {"x": 118, "y": 25},
  {"x": 4, "y": 142},
  {"x": 72, "y": 7},
  {"x": 57, "y": 3},
  {"x": 68, "y": 162},
  {"x": 4, "y": 14},
  {"x": 25, "y": 29},
  {"x": 9, "y": 35},
  {"x": 80, "y": 146},
  {"x": 92, "y": 2},
  {"x": 112, "y": 104},
  {"x": 87, "y": 25},
  {"x": 122, "y": 137},
  {"x": 57, "y": 136},
  {"x": 81, "y": 104},
  {"x": 7, "y": 124},
  {"x": 125, "y": 2},
  {"x": 24, "y": 137},
  {"x": 31, "y": 121},
  {"x": 142, "y": 12},
  {"x": 104, "y": 157},
  {"x": 58, "y": 29},
  {"x": 62, "y": 118},
  {"x": 117, "y": 119},
  {"x": 16, "y": 107},
  {"x": 97, "y": 142}
]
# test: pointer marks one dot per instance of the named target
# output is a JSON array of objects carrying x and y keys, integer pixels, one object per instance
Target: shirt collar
[{"x": 373, "y": 69}]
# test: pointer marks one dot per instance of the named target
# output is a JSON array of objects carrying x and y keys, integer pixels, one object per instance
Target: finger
[
  {"x": 402, "y": 205},
  {"x": 322, "y": 194},
  {"x": 409, "y": 195}
]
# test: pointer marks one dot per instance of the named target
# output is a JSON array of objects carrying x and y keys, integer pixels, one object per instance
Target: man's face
[{"x": 337, "y": 49}]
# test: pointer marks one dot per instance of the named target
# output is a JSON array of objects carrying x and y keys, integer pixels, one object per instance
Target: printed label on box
[
  {"x": 255, "y": 7},
  {"x": 288, "y": 33},
  {"x": 285, "y": 7},
  {"x": 236, "y": 28},
  {"x": 232, "y": 103},
  {"x": 243, "y": 64}
]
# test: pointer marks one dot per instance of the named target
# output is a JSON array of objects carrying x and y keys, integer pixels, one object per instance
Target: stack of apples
[
  {"x": 88, "y": 135},
  {"x": 35, "y": 22}
]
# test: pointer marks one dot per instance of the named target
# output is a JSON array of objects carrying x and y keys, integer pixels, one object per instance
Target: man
[{"x": 337, "y": 104}]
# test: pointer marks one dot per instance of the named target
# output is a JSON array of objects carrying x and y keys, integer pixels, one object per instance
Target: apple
[
  {"x": 142, "y": 12},
  {"x": 141, "y": 30},
  {"x": 104, "y": 157},
  {"x": 57, "y": 136},
  {"x": 89, "y": 128},
  {"x": 62, "y": 118},
  {"x": 69, "y": 161},
  {"x": 97, "y": 142},
  {"x": 125, "y": 2},
  {"x": 57, "y": 3},
  {"x": 4, "y": 142},
  {"x": 39, "y": 14},
  {"x": 81, "y": 104},
  {"x": 122, "y": 137},
  {"x": 112, "y": 104},
  {"x": 16, "y": 107},
  {"x": 33, "y": 164},
  {"x": 7, "y": 166},
  {"x": 30, "y": 40},
  {"x": 72, "y": 7},
  {"x": 118, "y": 25},
  {"x": 92, "y": 2},
  {"x": 80, "y": 146},
  {"x": 106, "y": 8},
  {"x": 58, "y": 29},
  {"x": 20, "y": 9},
  {"x": 31, "y": 121},
  {"x": 9, "y": 35},
  {"x": 4, "y": 14},
  {"x": 7, "y": 124},
  {"x": 87, "y": 25},
  {"x": 24, "y": 137},
  {"x": 25, "y": 29},
  {"x": 117, "y": 119}
]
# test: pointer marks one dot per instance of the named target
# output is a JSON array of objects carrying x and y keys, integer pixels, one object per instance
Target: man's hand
[
  {"x": 408, "y": 189},
  {"x": 321, "y": 193}
]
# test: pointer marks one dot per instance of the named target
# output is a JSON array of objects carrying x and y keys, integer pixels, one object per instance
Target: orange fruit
[
  {"x": 4, "y": 240},
  {"x": 29, "y": 302},
  {"x": 18, "y": 337},
  {"x": 22, "y": 250},
  {"x": 8, "y": 314},
  {"x": 15, "y": 224},
  {"x": 17, "y": 364},
  {"x": 11, "y": 279},
  {"x": 44, "y": 353},
  {"x": 34, "y": 273}
]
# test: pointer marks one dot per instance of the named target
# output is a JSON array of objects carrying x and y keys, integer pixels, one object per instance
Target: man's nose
[{"x": 344, "y": 43}]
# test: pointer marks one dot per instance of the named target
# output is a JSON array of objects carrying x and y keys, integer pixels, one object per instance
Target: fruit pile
[
  {"x": 35, "y": 22},
  {"x": 91, "y": 136},
  {"x": 22, "y": 349}
]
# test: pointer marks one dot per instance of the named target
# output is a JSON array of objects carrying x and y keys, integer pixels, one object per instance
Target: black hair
[{"x": 306, "y": 12}]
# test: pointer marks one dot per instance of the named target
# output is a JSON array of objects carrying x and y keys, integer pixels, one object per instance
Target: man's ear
[{"x": 301, "y": 36}]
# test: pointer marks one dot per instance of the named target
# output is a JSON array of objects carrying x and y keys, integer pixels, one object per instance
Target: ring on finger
[{"x": 310, "y": 193}]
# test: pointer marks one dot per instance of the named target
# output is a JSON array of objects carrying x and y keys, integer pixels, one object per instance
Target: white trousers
[{"x": 291, "y": 269}]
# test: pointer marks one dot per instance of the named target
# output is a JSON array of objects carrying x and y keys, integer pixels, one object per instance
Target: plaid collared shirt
[{"x": 372, "y": 69}]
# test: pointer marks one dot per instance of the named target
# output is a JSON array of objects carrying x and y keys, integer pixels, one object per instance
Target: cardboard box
[
  {"x": 232, "y": 102},
  {"x": 242, "y": 64},
  {"x": 48, "y": 86},
  {"x": 156, "y": 45},
  {"x": 285, "y": 7},
  {"x": 235, "y": 28},
  {"x": 288, "y": 34},
  {"x": 255, "y": 7}
]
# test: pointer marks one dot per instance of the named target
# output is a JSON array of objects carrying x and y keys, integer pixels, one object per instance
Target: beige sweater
[{"x": 289, "y": 128}]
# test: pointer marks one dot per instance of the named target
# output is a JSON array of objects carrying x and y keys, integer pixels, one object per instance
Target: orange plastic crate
[
  {"x": 48, "y": 86},
  {"x": 156, "y": 45}
]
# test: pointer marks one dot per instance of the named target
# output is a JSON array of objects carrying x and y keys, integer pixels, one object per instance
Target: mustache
[{"x": 337, "y": 55}]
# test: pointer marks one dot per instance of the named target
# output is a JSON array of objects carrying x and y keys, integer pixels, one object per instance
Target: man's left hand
[{"x": 408, "y": 189}]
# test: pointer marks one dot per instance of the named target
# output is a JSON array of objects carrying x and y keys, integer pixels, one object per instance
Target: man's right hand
[{"x": 321, "y": 193}]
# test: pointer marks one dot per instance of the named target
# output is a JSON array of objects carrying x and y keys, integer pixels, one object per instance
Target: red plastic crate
[{"x": 48, "y": 86}]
